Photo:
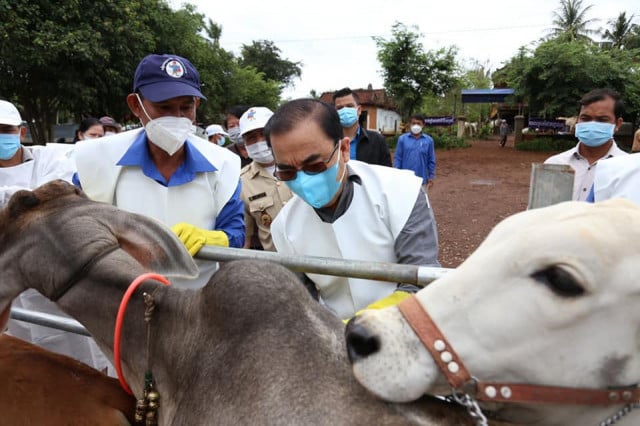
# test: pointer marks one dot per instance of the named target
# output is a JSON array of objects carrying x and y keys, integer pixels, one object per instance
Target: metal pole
[
  {"x": 379, "y": 271},
  {"x": 48, "y": 320}
]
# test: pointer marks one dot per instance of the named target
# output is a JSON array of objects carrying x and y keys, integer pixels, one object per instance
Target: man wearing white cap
[
  {"x": 163, "y": 170},
  {"x": 263, "y": 195},
  {"x": 216, "y": 134},
  {"x": 24, "y": 167}
]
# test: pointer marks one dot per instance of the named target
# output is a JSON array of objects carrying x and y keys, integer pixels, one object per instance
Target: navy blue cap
[{"x": 162, "y": 77}]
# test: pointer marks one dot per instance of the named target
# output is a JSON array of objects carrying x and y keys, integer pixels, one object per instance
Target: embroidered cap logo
[{"x": 173, "y": 68}]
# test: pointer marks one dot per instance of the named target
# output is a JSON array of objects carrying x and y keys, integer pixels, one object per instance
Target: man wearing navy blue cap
[{"x": 164, "y": 170}]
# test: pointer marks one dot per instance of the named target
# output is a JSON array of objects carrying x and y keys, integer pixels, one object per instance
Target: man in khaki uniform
[{"x": 263, "y": 195}]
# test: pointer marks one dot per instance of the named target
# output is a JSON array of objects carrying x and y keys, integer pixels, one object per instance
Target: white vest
[
  {"x": 368, "y": 229},
  {"x": 197, "y": 202},
  {"x": 618, "y": 177}
]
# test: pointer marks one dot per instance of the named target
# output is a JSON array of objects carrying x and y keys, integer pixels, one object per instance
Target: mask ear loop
[{"x": 143, "y": 109}]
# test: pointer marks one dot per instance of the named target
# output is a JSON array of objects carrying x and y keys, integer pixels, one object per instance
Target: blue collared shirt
[
  {"x": 417, "y": 154},
  {"x": 353, "y": 145},
  {"x": 230, "y": 220}
]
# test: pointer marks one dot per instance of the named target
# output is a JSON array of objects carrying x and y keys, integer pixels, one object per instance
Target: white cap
[
  {"x": 215, "y": 129},
  {"x": 9, "y": 114},
  {"x": 254, "y": 118}
]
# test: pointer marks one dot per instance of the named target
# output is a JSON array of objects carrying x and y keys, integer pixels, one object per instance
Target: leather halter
[{"x": 462, "y": 381}]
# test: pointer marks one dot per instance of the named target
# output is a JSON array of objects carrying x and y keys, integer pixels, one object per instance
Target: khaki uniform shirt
[{"x": 263, "y": 196}]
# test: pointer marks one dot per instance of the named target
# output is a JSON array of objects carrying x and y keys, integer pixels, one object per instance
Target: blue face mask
[
  {"x": 593, "y": 133},
  {"x": 9, "y": 144},
  {"x": 348, "y": 116},
  {"x": 317, "y": 190}
]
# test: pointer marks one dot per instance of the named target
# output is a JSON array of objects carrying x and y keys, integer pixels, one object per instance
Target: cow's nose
[{"x": 360, "y": 341}]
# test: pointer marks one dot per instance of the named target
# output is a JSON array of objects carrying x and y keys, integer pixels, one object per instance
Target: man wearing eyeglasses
[
  {"x": 345, "y": 208},
  {"x": 263, "y": 195}
]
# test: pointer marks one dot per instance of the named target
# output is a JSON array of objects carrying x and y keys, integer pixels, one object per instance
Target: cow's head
[
  {"x": 50, "y": 236},
  {"x": 550, "y": 297}
]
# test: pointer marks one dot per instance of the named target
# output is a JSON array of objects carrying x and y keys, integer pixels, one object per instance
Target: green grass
[{"x": 545, "y": 144}]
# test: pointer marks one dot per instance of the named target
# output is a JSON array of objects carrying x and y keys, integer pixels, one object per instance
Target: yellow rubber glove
[
  {"x": 195, "y": 238},
  {"x": 391, "y": 300}
]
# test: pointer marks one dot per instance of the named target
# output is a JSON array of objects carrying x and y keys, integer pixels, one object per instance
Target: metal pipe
[
  {"x": 48, "y": 320},
  {"x": 379, "y": 271}
]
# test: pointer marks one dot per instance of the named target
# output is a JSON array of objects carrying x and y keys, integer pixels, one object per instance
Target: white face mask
[
  {"x": 109, "y": 133},
  {"x": 416, "y": 128},
  {"x": 167, "y": 133},
  {"x": 260, "y": 152}
]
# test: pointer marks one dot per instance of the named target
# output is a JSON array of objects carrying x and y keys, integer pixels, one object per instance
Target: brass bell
[{"x": 153, "y": 396}]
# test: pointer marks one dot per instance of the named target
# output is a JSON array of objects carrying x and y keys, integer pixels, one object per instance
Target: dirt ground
[{"x": 475, "y": 188}]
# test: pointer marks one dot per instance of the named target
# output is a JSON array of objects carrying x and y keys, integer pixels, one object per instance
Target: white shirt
[
  {"x": 584, "y": 172},
  {"x": 39, "y": 166},
  {"x": 618, "y": 178}
]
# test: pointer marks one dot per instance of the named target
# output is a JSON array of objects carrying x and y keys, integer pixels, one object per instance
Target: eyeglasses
[{"x": 310, "y": 169}]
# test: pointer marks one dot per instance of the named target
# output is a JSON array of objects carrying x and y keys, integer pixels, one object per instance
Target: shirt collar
[
  {"x": 138, "y": 156},
  {"x": 613, "y": 150},
  {"x": 26, "y": 154},
  {"x": 329, "y": 215},
  {"x": 257, "y": 169}
]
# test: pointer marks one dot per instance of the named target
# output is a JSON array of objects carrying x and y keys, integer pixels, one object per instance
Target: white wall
[{"x": 388, "y": 120}]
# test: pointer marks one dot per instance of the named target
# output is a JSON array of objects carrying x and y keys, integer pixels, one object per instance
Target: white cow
[{"x": 551, "y": 297}]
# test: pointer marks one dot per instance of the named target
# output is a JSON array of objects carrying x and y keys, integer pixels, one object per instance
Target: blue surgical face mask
[
  {"x": 594, "y": 133},
  {"x": 317, "y": 190},
  {"x": 9, "y": 145},
  {"x": 221, "y": 141},
  {"x": 348, "y": 116}
]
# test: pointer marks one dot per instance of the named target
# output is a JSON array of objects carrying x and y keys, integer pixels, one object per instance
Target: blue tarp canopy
[{"x": 470, "y": 96}]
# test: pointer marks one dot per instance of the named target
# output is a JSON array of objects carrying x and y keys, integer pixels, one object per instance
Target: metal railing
[{"x": 379, "y": 271}]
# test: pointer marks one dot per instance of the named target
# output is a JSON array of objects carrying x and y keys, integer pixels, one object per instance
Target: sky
[{"x": 333, "y": 38}]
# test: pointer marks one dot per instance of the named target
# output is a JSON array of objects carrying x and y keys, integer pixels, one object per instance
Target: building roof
[
  {"x": 373, "y": 97},
  {"x": 485, "y": 95}
]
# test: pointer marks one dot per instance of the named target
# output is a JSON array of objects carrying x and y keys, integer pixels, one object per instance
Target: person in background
[
  {"x": 111, "y": 126},
  {"x": 232, "y": 124},
  {"x": 163, "y": 170},
  {"x": 366, "y": 145},
  {"x": 636, "y": 142},
  {"x": 345, "y": 209},
  {"x": 263, "y": 195},
  {"x": 415, "y": 151},
  {"x": 216, "y": 134},
  {"x": 90, "y": 128},
  {"x": 599, "y": 116},
  {"x": 23, "y": 167},
  {"x": 504, "y": 132}
]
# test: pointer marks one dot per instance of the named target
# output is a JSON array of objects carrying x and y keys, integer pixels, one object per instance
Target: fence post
[{"x": 550, "y": 184}]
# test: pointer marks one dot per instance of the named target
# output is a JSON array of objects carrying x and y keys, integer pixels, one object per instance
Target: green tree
[
  {"x": 556, "y": 74},
  {"x": 409, "y": 72},
  {"x": 570, "y": 21},
  {"x": 620, "y": 31},
  {"x": 264, "y": 56},
  {"x": 78, "y": 58}
]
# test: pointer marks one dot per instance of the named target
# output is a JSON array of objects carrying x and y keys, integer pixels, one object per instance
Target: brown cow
[
  {"x": 251, "y": 347},
  {"x": 38, "y": 387}
]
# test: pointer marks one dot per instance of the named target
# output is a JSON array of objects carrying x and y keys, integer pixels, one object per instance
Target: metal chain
[
  {"x": 618, "y": 415},
  {"x": 474, "y": 410}
]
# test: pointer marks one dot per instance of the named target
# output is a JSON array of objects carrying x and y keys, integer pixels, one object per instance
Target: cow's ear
[
  {"x": 152, "y": 244},
  {"x": 21, "y": 202}
]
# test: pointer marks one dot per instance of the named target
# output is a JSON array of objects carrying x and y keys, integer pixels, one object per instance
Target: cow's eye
[{"x": 559, "y": 280}]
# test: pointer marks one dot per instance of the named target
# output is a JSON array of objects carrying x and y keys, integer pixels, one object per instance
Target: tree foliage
[
  {"x": 409, "y": 72},
  {"x": 558, "y": 73},
  {"x": 621, "y": 31},
  {"x": 264, "y": 55},
  {"x": 571, "y": 23},
  {"x": 79, "y": 57}
]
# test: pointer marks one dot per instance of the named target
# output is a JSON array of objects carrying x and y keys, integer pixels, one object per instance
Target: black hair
[
  {"x": 85, "y": 125},
  {"x": 236, "y": 111},
  {"x": 598, "y": 95},
  {"x": 418, "y": 116},
  {"x": 346, "y": 92},
  {"x": 296, "y": 112}
]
